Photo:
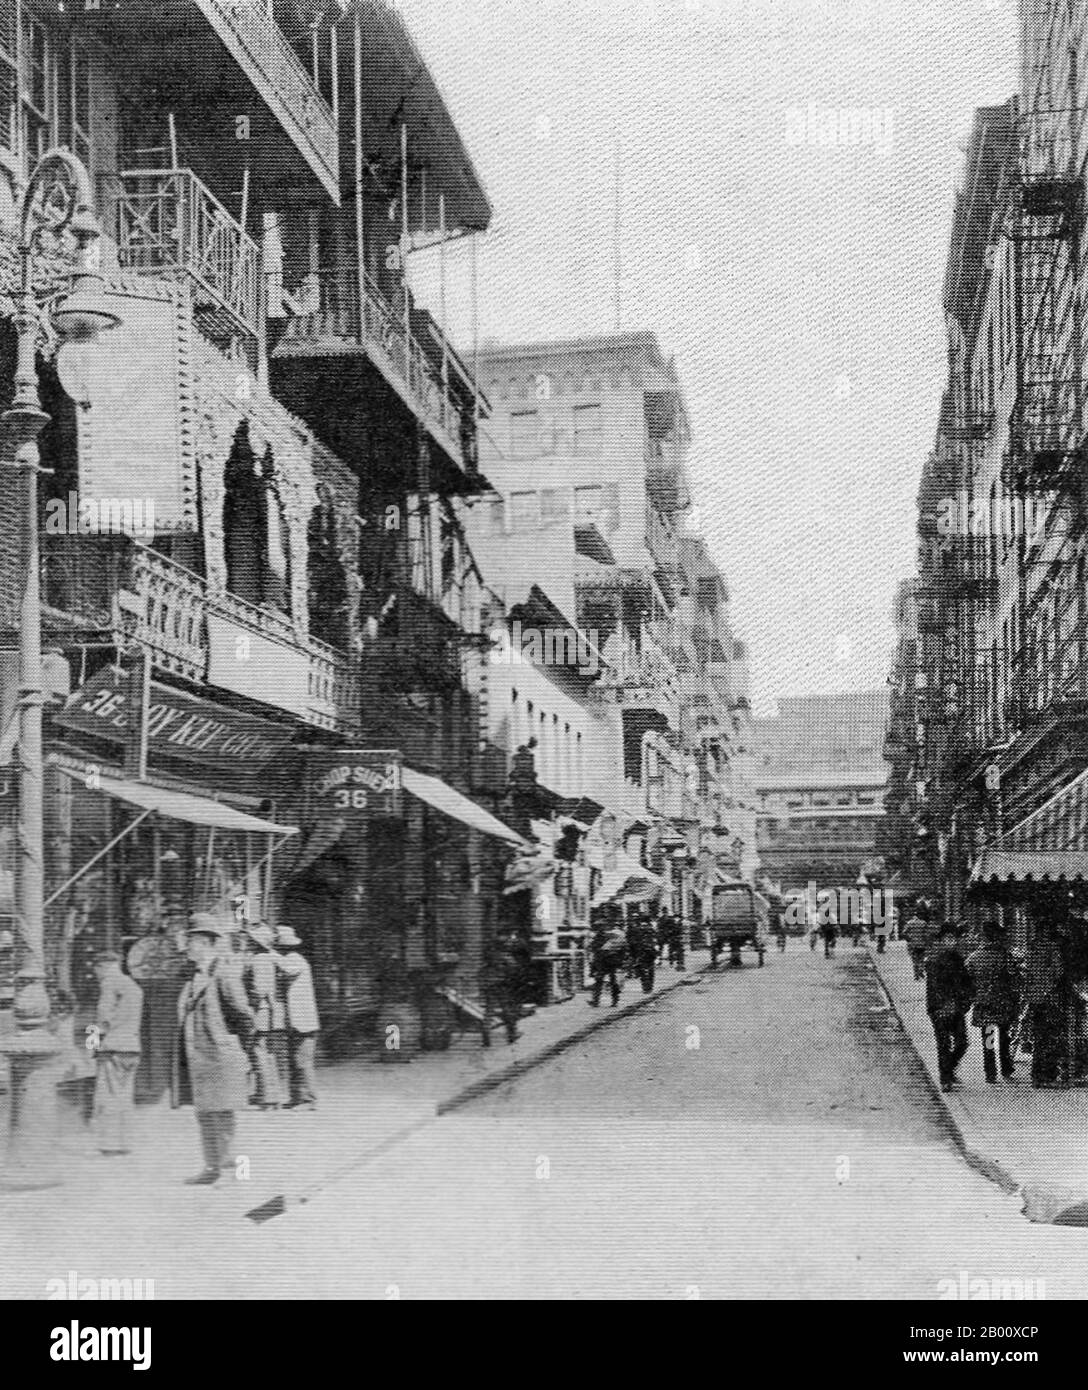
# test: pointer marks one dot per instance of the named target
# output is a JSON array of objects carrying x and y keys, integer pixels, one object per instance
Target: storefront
[
  {"x": 1036, "y": 877},
  {"x": 395, "y": 885}
]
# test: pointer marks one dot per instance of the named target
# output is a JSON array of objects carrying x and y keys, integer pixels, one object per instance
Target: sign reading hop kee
[{"x": 346, "y": 781}]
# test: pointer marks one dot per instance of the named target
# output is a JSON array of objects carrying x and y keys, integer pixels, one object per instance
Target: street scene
[{"x": 543, "y": 651}]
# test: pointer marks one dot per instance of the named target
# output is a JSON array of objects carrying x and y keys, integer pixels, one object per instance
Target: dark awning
[{"x": 1050, "y": 844}]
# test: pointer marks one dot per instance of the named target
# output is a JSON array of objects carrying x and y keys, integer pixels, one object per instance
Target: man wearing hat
[
  {"x": 216, "y": 1031},
  {"x": 303, "y": 1024},
  {"x": 117, "y": 1052},
  {"x": 269, "y": 1014},
  {"x": 997, "y": 1000}
]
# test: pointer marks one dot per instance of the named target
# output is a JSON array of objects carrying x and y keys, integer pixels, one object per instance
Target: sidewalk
[
  {"x": 132, "y": 1216},
  {"x": 1034, "y": 1141}
]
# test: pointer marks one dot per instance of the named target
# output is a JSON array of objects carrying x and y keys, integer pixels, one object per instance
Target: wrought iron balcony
[
  {"x": 121, "y": 585},
  {"x": 167, "y": 222},
  {"x": 328, "y": 322},
  {"x": 260, "y": 47},
  {"x": 179, "y": 47}
]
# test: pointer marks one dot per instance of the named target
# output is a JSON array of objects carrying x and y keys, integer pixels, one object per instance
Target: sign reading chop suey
[{"x": 346, "y": 779}]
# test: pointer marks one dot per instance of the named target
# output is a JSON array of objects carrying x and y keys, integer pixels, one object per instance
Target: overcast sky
[{"x": 797, "y": 284}]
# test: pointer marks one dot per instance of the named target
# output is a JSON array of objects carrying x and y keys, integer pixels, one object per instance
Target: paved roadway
[{"x": 755, "y": 1133}]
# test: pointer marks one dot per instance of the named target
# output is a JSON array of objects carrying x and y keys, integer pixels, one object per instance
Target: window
[
  {"x": 524, "y": 510},
  {"x": 1008, "y": 303},
  {"x": 35, "y": 87},
  {"x": 74, "y": 100},
  {"x": 587, "y": 503},
  {"x": 326, "y": 581},
  {"x": 255, "y": 529},
  {"x": 528, "y": 437},
  {"x": 9, "y": 76},
  {"x": 588, "y": 429},
  {"x": 55, "y": 89},
  {"x": 554, "y": 505},
  {"x": 447, "y": 540}
]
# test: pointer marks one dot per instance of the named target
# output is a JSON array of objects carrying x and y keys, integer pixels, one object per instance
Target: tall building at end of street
[{"x": 819, "y": 778}]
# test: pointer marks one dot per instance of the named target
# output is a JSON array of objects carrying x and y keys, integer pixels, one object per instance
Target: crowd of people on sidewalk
[
  {"x": 244, "y": 1034},
  {"x": 1018, "y": 1004}
]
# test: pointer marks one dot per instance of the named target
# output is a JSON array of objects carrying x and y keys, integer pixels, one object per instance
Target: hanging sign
[
  {"x": 179, "y": 725},
  {"x": 354, "y": 782}
]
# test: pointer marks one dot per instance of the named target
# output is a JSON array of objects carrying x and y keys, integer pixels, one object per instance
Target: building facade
[
  {"x": 283, "y": 442},
  {"x": 587, "y": 445},
  {"x": 820, "y": 778},
  {"x": 991, "y": 768}
]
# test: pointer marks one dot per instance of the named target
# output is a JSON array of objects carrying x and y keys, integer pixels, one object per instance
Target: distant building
[{"x": 819, "y": 778}]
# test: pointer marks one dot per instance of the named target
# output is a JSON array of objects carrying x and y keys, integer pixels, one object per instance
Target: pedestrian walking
[
  {"x": 997, "y": 1000},
  {"x": 642, "y": 951},
  {"x": 829, "y": 930},
  {"x": 266, "y": 998},
  {"x": 677, "y": 942},
  {"x": 881, "y": 930},
  {"x": 949, "y": 992},
  {"x": 503, "y": 988},
  {"x": 303, "y": 1024},
  {"x": 919, "y": 938},
  {"x": 609, "y": 947},
  {"x": 778, "y": 926},
  {"x": 117, "y": 1053},
  {"x": 215, "y": 1034},
  {"x": 1045, "y": 994}
]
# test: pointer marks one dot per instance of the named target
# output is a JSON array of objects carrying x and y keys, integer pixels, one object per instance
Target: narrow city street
[{"x": 757, "y": 1133}]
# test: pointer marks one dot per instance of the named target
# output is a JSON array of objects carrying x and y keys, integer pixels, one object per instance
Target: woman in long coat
[{"x": 215, "y": 1033}]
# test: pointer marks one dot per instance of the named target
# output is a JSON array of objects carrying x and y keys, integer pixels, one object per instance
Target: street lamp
[{"x": 57, "y": 198}]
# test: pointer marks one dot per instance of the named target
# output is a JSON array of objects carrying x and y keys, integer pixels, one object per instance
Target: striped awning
[{"x": 1051, "y": 844}]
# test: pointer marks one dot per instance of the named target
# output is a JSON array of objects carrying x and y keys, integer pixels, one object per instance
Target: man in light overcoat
[{"x": 215, "y": 1034}]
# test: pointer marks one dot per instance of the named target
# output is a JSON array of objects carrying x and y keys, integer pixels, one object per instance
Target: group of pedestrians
[
  {"x": 247, "y": 1027},
  {"x": 986, "y": 983},
  {"x": 830, "y": 931},
  {"x": 639, "y": 948}
]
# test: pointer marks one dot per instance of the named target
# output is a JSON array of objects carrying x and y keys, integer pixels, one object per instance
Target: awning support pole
[{"x": 95, "y": 858}]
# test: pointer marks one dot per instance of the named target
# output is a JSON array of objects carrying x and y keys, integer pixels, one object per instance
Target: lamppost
[{"x": 57, "y": 199}]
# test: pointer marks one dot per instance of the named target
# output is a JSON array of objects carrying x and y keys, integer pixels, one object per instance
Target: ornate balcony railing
[
  {"x": 166, "y": 221},
  {"x": 122, "y": 585},
  {"x": 328, "y": 319}
]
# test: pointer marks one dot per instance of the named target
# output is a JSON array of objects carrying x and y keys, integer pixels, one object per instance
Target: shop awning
[
  {"x": 451, "y": 803},
  {"x": 622, "y": 886},
  {"x": 1050, "y": 844},
  {"x": 196, "y": 810},
  {"x": 999, "y": 865}
]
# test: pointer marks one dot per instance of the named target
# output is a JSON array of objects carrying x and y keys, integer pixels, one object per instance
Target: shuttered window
[
  {"x": 35, "y": 81},
  {"x": 9, "y": 75}
]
